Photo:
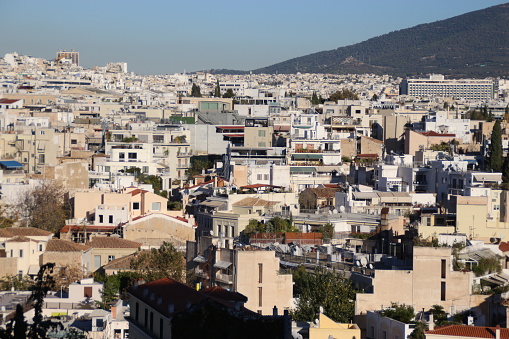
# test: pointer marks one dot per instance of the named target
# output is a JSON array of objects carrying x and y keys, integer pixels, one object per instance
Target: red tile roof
[
  {"x": 88, "y": 228},
  {"x": 112, "y": 242},
  {"x": 435, "y": 134},
  {"x": 470, "y": 331},
  {"x": 258, "y": 186},
  {"x": 23, "y": 231},
  {"x": 221, "y": 293},
  {"x": 20, "y": 239},
  {"x": 8, "y": 101},
  {"x": 164, "y": 292},
  {"x": 504, "y": 246},
  {"x": 59, "y": 245}
]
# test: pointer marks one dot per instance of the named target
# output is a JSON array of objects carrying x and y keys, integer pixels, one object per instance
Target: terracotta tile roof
[
  {"x": 21, "y": 239},
  {"x": 255, "y": 202},
  {"x": 59, "y": 245},
  {"x": 259, "y": 186},
  {"x": 123, "y": 263},
  {"x": 164, "y": 292},
  {"x": 23, "y": 231},
  {"x": 324, "y": 192},
  {"x": 435, "y": 134},
  {"x": 504, "y": 246},
  {"x": 112, "y": 242},
  {"x": 470, "y": 331},
  {"x": 221, "y": 293},
  {"x": 8, "y": 101},
  {"x": 88, "y": 228}
]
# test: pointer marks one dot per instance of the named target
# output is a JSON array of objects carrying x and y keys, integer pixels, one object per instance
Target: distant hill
[{"x": 473, "y": 44}]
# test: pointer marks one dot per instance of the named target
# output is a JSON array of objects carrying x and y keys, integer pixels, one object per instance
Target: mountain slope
[{"x": 472, "y": 44}]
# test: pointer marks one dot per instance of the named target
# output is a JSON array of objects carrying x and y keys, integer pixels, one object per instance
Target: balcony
[{"x": 226, "y": 278}]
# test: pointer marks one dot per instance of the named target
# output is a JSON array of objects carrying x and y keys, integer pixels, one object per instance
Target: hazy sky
[{"x": 162, "y": 37}]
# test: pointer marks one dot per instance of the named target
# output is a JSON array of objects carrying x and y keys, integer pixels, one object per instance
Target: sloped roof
[
  {"x": 171, "y": 292},
  {"x": 21, "y": 239},
  {"x": 470, "y": 331},
  {"x": 322, "y": 192},
  {"x": 435, "y": 134},
  {"x": 219, "y": 292},
  {"x": 23, "y": 231},
  {"x": 123, "y": 263},
  {"x": 59, "y": 245},
  {"x": 504, "y": 246},
  {"x": 255, "y": 202},
  {"x": 112, "y": 242}
]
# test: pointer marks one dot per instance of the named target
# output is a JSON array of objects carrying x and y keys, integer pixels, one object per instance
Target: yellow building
[{"x": 327, "y": 328}]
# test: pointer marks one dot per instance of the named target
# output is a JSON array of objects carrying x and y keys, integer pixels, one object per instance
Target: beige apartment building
[{"x": 431, "y": 281}]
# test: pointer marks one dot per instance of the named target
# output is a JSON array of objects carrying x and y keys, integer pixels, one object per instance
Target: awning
[
  {"x": 200, "y": 259},
  {"x": 33, "y": 269},
  {"x": 313, "y": 156},
  {"x": 222, "y": 264},
  {"x": 302, "y": 169},
  {"x": 10, "y": 164}
]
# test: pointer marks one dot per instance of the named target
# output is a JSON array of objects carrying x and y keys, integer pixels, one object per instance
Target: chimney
[
  {"x": 497, "y": 332},
  {"x": 431, "y": 322},
  {"x": 274, "y": 311}
]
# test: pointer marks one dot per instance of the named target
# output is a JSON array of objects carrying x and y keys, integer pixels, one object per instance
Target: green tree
[
  {"x": 314, "y": 99},
  {"x": 331, "y": 290},
  {"x": 495, "y": 159},
  {"x": 217, "y": 90},
  {"x": 403, "y": 313},
  {"x": 327, "y": 231},
  {"x": 159, "y": 263},
  {"x": 374, "y": 97},
  {"x": 345, "y": 93},
  {"x": 40, "y": 328},
  {"x": 253, "y": 227},
  {"x": 505, "y": 169},
  {"x": 229, "y": 94},
  {"x": 487, "y": 265},
  {"x": 278, "y": 224},
  {"x": 439, "y": 315},
  {"x": 418, "y": 332},
  {"x": 195, "y": 91}
]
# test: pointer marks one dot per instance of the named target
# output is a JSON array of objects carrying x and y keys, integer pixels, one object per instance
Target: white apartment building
[{"x": 438, "y": 86}]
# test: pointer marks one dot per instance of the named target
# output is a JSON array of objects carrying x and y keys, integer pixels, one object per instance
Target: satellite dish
[
  {"x": 364, "y": 261},
  {"x": 334, "y": 211},
  {"x": 342, "y": 209},
  {"x": 358, "y": 263},
  {"x": 212, "y": 232},
  {"x": 321, "y": 309},
  {"x": 370, "y": 266}
]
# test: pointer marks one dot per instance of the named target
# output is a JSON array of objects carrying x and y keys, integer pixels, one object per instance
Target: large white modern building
[{"x": 438, "y": 86}]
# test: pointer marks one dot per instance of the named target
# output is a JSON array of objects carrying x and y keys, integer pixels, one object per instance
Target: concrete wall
[{"x": 276, "y": 289}]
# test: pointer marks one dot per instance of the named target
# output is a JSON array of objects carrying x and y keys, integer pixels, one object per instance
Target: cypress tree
[
  {"x": 217, "y": 91},
  {"x": 495, "y": 159},
  {"x": 505, "y": 170}
]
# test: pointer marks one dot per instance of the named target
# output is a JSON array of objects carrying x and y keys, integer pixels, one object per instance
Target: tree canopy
[
  {"x": 195, "y": 91},
  {"x": 495, "y": 159},
  {"x": 345, "y": 93},
  {"x": 162, "y": 262},
  {"x": 331, "y": 290},
  {"x": 403, "y": 313}
]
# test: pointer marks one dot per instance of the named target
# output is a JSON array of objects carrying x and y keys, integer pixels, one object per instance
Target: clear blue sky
[{"x": 162, "y": 37}]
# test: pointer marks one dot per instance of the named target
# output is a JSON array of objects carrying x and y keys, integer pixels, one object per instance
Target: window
[
  {"x": 132, "y": 156},
  {"x": 111, "y": 257},
  {"x": 136, "y": 205},
  {"x": 259, "y": 176},
  {"x": 87, "y": 292},
  {"x": 161, "y": 328},
  {"x": 151, "y": 321},
  {"x": 40, "y": 247},
  {"x": 260, "y": 273},
  {"x": 121, "y": 155},
  {"x": 97, "y": 261},
  {"x": 442, "y": 291},
  {"x": 261, "y": 133},
  {"x": 137, "y": 311},
  {"x": 101, "y": 218},
  {"x": 110, "y": 219},
  {"x": 42, "y": 158},
  {"x": 74, "y": 141},
  {"x": 106, "y": 168},
  {"x": 156, "y": 206},
  {"x": 146, "y": 317},
  {"x": 443, "y": 268},
  {"x": 145, "y": 169},
  {"x": 260, "y": 297},
  {"x": 21, "y": 253},
  {"x": 261, "y": 144},
  {"x": 265, "y": 177}
]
